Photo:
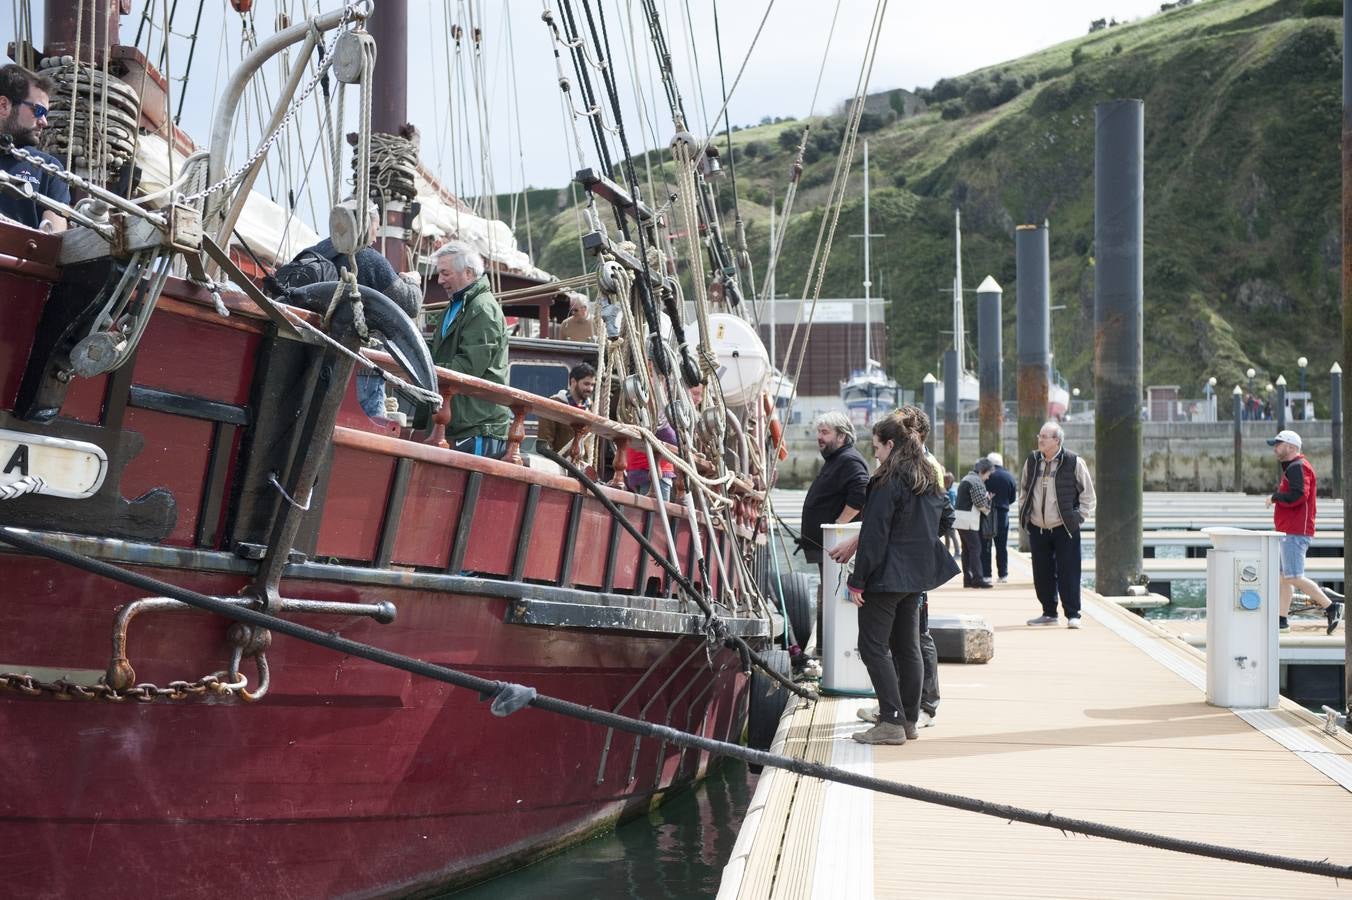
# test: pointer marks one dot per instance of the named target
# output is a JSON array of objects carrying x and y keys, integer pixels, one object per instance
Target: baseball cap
[
  {"x": 996, "y": 458},
  {"x": 1286, "y": 437}
]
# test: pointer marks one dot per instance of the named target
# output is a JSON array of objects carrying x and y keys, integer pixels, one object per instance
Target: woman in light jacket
[{"x": 900, "y": 556}]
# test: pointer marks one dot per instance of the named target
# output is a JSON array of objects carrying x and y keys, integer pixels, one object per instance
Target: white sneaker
[
  {"x": 925, "y": 721},
  {"x": 1004, "y": 579},
  {"x": 1073, "y": 622},
  {"x": 868, "y": 714}
]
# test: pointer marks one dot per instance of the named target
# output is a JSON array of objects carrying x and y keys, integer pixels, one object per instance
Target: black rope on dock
[
  {"x": 679, "y": 577},
  {"x": 509, "y": 697}
]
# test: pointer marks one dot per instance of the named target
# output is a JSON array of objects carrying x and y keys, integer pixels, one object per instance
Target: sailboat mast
[
  {"x": 868, "y": 283},
  {"x": 388, "y": 24},
  {"x": 959, "y": 340},
  {"x": 99, "y": 22},
  {"x": 774, "y": 363}
]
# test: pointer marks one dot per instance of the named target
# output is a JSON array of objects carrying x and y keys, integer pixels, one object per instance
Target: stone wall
[{"x": 1176, "y": 456}]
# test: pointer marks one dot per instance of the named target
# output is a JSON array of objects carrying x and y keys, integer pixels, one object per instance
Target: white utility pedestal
[
  {"x": 1243, "y": 584},
  {"x": 843, "y": 671}
]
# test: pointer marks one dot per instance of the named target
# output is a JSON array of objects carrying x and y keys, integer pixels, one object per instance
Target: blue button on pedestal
[{"x": 1250, "y": 600}]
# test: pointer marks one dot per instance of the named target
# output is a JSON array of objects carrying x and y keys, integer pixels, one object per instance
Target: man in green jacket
[{"x": 471, "y": 339}]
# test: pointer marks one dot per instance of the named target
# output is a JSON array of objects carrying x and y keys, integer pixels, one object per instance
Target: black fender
[{"x": 403, "y": 340}]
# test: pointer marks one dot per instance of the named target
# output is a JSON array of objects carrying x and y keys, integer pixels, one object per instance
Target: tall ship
[{"x": 164, "y": 422}]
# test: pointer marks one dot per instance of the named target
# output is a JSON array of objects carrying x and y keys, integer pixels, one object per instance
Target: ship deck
[{"x": 1108, "y": 723}]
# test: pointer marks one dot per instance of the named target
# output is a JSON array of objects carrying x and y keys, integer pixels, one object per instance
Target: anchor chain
[{"x": 211, "y": 685}]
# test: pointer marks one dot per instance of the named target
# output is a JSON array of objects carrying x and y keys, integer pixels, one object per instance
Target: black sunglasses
[{"x": 39, "y": 111}]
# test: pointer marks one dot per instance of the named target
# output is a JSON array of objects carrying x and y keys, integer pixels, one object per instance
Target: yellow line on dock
[{"x": 1104, "y": 723}]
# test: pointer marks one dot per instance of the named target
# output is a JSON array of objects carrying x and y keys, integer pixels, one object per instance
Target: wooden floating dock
[
  {"x": 1322, "y": 569},
  {"x": 1108, "y": 723}
]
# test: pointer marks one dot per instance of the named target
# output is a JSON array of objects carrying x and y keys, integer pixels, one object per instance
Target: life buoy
[{"x": 242, "y": 6}]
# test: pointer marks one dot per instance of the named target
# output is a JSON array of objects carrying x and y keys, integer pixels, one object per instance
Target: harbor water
[{"x": 676, "y": 851}]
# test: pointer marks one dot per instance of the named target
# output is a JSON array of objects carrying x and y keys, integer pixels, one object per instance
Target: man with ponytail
[{"x": 900, "y": 556}]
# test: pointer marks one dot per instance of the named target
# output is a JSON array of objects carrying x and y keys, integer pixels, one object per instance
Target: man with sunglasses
[{"x": 23, "y": 115}]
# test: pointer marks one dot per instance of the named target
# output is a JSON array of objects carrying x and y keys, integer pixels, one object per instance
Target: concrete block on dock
[{"x": 962, "y": 638}]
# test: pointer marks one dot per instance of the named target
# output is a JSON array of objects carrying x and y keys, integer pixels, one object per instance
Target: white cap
[
  {"x": 1286, "y": 437},
  {"x": 996, "y": 458}
]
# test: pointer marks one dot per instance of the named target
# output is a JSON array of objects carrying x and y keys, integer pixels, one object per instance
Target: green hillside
[{"x": 1242, "y": 247}]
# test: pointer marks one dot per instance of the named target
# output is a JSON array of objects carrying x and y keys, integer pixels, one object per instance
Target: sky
[{"x": 525, "y": 138}]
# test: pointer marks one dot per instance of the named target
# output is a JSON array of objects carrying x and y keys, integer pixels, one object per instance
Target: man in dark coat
[
  {"x": 837, "y": 493},
  {"x": 1003, "y": 491}
]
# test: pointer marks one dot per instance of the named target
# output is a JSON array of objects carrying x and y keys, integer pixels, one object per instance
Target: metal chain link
[
  {"x": 144, "y": 692},
  {"x": 291, "y": 111}
]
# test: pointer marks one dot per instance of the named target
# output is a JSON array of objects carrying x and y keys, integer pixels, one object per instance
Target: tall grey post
[
  {"x": 1238, "y": 413},
  {"x": 930, "y": 382},
  {"x": 952, "y": 433},
  {"x": 1119, "y": 219},
  {"x": 990, "y": 347},
  {"x": 1281, "y": 402},
  {"x": 1336, "y": 422},
  {"x": 1033, "y": 337},
  {"x": 1347, "y": 293}
]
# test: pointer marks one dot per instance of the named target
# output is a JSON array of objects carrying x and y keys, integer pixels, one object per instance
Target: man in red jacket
[{"x": 1293, "y": 510}]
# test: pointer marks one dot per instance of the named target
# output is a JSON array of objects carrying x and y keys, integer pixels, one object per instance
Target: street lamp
[
  {"x": 1209, "y": 389},
  {"x": 1305, "y": 398},
  {"x": 1250, "y": 372}
]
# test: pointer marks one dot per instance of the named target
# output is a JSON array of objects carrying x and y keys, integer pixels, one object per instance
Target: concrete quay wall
[{"x": 1178, "y": 456}]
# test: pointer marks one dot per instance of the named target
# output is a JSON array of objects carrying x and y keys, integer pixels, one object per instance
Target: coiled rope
[{"x": 508, "y": 697}]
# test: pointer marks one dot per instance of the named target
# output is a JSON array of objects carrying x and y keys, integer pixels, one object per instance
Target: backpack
[{"x": 306, "y": 269}]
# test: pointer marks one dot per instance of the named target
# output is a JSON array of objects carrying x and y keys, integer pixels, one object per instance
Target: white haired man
[
  {"x": 837, "y": 493},
  {"x": 471, "y": 339},
  {"x": 1058, "y": 496},
  {"x": 578, "y": 325}
]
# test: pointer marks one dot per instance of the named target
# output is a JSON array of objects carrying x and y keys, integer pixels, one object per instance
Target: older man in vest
[{"x": 1058, "y": 496}]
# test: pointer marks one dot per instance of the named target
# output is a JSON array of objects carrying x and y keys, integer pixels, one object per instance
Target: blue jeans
[{"x": 1293, "y": 551}]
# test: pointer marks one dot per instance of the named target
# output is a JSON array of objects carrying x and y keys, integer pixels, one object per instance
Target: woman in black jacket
[{"x": 900, "y": 556}]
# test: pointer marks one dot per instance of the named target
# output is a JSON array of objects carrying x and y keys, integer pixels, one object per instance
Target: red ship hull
[{"x": 348, "y": 778}]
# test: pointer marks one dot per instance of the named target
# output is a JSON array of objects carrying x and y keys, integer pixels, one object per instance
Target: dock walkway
[{"x": 1107, "y": 723}]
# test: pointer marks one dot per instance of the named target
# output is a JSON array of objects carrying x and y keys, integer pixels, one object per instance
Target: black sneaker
[
  {"x": 1283, "y": 627},
  {"x": 1334, "y": 614}
]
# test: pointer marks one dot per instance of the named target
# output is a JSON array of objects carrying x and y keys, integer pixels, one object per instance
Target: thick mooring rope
[{"x": 509, "y": 697}]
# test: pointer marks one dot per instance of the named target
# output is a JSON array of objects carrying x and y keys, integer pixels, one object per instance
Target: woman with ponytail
[{"x": 899, "y": 557}]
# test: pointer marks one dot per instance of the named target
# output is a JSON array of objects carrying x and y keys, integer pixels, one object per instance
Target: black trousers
[
  {"x": 1056, "y": 568},
  {"x": 929, "y": 656},
  {"x": 971, "y": 557},
  {"x": 889, "y": 645},
  {"x": 1000, "y": 540}
]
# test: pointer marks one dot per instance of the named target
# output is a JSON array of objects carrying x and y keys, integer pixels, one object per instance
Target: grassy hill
[{"x": 1242, "y": 247}]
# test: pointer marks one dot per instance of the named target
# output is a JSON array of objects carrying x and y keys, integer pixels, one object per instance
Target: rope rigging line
[
  {"x": 822, "y": 251},
  {"x": 508, "y": 698}
]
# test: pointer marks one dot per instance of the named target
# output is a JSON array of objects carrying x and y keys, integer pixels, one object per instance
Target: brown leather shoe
[{"x": 882, "y": 733}]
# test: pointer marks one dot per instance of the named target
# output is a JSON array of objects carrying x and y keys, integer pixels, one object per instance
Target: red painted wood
[
  {"x": 354, "y": 507},
  {"x": 84, "y": 399},
  {"x": 348, "y": 778},
  {"x": 497, "y": 517},
  {"x": 20, "y": 312},
  {"x": 175, "y": 458},
  {"x": 196, "y": 358},
  {"x": 546, "y": 543},
  {"x": 431, "y": 508},
  {"x": 593, "y": 527}
]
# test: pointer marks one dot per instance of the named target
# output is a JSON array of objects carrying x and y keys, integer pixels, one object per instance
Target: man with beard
[
  {"x": 23, "y": 115},
  {"x": 837, "y": 493},
  {"x": 581, "y": 384}
]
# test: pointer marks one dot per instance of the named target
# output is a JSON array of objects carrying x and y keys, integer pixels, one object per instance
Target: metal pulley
[
  {"x": 608, "y": 276},
  {"x": 710, "y": 164},
  {"x": 348, "y": 235},
  {"x": 635, "y": 392},
  {"x": 349, "y": 55},
  {"x": 679, "y": 415},
  {"x": 97, "y": 353},
  {"x": 710, "y": 425}
]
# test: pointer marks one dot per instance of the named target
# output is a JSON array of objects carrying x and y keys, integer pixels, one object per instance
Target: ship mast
[
  {"x": 868, "y": 283},
  {"x": 959, "y": 340},
  {"x": 388, "y": 24}
]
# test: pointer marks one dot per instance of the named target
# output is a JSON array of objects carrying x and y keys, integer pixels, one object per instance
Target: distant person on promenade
[
  {"x": 899, "y": 558},
  {"x": 1293, "y": 512},
  {"x": 912, "y": 419},
  {"x": 578, "y": 394},
  {"x": 1003, "y": 490},
  {"x": 972, "y": 495},
  {"x": 951, "y": 536},
  {"x": 837, "y": 493},
  {"x": 1058, "y": 496}
]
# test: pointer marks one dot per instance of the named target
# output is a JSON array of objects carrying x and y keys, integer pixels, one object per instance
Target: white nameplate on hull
[{"x": 36, "y": 464}]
